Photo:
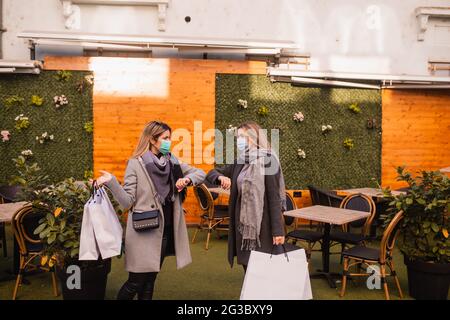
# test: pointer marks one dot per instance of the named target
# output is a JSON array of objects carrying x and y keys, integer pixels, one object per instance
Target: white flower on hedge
[
  {"x": 60, "y": 100},
  {"x": 69, "y": 140},
  {"x": 326, "y": 128},
  {"x": 5, "y": 135},
  {"x": 243, "y": 103},
  {"x": 27, "y": 153},
  {"x": 231, "y": 129},
  {"x": 301, "y": 153},
  {"x": 298, "y": 116},
  {"x": 45, "y": 137},
  {"x": 89, "y": 79},
  {"x": 21, "y": 117}
]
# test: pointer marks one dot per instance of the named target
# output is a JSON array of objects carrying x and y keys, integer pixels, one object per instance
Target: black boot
[
  {"x": 129, "y": 290},
  {"x": 146, "y": 293},
  {"x": 147, "y": 289}
]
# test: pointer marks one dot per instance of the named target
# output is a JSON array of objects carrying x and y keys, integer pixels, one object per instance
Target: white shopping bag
[
  {"x": 277, "y": 277},
  {"x": 103, "y": 220},
  {"x": 88, "y": 246}
]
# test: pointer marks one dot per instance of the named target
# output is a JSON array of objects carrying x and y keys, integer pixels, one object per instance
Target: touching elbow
[{"x": 202, "y": 175}]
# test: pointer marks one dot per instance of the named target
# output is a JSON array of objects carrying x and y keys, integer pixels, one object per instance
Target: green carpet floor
[{"x": 208, "y": 277}]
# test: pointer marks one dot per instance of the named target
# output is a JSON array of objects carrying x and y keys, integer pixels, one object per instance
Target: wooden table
[
  {"x": 370, "y": 192},
  {"x": 329, "y": 216},
  {"x": 7, "y": 210}
]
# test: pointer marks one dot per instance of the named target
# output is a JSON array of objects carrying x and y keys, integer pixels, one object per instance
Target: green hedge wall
[
  {"x": 58, "y": 158},
  {"x": 328, "y": 163}
]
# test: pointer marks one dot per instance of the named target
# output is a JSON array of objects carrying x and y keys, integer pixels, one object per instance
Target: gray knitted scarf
[
  {"x": 252, "y": 195},
  {"x": 159, "y": 170}
]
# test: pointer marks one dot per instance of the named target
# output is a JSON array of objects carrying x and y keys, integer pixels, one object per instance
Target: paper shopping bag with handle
[
  {"x": 100, "y": 222},
  {"x": 88, "y": 246},
  {"x": 282, "y": 276},
  {"x": 107, "y": 228}
]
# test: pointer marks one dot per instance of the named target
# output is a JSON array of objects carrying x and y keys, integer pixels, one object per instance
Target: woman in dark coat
[{"x": 256, "y": 196}]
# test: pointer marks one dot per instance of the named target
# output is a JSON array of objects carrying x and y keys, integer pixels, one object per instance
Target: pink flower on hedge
[{"x": 5, "y": 135}]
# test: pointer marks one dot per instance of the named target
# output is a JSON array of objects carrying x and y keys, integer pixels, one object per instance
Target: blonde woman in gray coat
[{"x": 154, "y": 179}]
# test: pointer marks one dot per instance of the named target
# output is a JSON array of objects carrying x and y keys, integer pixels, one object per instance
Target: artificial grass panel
[
  {"x": 59, "y": 158},
  {"x": 328, "y": 163}
]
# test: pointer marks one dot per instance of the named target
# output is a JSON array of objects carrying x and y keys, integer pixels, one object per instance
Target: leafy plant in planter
[
  {"x": 61, "y": 226},
  {"x": 424, "y": 231},
  {"x": 34, "y": 184},
  {"x": 62, "y": 205}
]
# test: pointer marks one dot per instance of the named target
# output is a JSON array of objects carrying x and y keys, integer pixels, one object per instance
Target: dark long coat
[{"x": 272, "y": 221}]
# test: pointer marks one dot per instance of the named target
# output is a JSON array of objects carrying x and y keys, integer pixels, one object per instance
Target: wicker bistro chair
[
  {"x": 3, "y": 243},
  {"x": 7, "y": 194},
  {"x": 345, "y": 237},
  {"x": 214, "y": 217},
  {"x": 369, "y": 256},
  {"x": 24, "y": 222},
  {"x": 290, "y": 205},
  {"x": 324, "y": 197}
]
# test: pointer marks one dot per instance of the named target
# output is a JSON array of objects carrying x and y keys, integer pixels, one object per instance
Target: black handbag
[{"x": 145, "y": 220}]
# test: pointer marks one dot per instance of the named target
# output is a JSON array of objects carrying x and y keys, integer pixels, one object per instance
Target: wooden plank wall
[
  {"x": 416, "y": 131},
  {"x": 130, "y": 92}
]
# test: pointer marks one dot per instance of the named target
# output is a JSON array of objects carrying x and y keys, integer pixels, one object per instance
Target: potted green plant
[
  {"x": 424, "y": 232},
  {"x": 62, "y": 206}
]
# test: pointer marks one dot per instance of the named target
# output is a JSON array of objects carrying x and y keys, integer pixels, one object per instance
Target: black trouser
[{"x": 143, "y": 283}]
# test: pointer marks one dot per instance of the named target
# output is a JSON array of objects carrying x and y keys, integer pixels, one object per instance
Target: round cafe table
[
  {"x": 329, "y": 216},
  {"x": 7, "y": 211}
]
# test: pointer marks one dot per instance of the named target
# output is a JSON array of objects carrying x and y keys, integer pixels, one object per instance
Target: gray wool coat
[
  {"x": 143, "y": 249},
  {"x": 272, "y": 220}
]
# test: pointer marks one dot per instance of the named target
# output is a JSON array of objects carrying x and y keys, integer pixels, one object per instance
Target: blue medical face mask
[
  {"x": 241, "y": 143},
  {"x": 165, "y": 147}
]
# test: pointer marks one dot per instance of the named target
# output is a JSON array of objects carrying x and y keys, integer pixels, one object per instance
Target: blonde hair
[
  {"x": 256, "y": 134},
  {"x": 152, "y": 130}
]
